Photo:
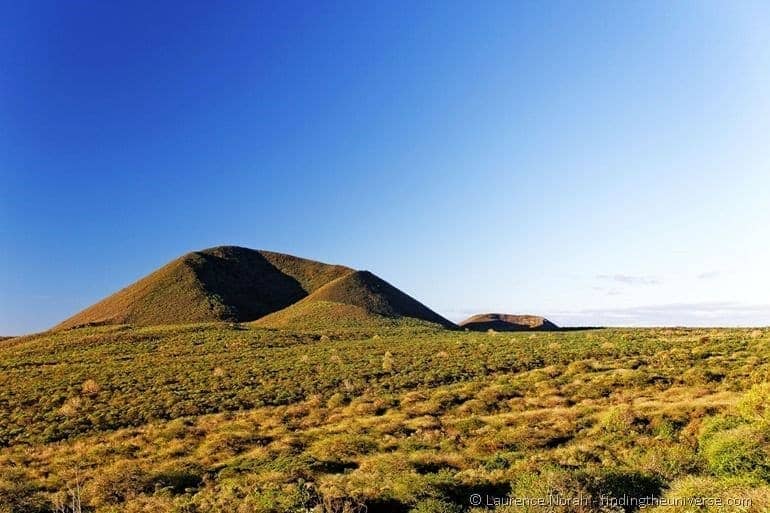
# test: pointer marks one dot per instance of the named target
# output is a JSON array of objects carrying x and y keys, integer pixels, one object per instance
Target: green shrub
[
  {"x": 754, "y": 495},
  {"x": 665, "y": 429},
  {"x": 666, "y": 460},
  {"x": 755, "y": 404},
  {"x": 468, "y": 425},
  {"x": 714, "y": 425},
  {"x": 737, "y": 451},
  {"x": 621, "y": 420}
]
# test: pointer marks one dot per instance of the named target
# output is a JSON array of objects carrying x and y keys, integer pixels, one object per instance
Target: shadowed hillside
[
  {"x": 507, "y": 322},
  {"x": 230, "y": 283},
  {"x": 359, "y": 297},
  {"x": 222, "y": 283}
]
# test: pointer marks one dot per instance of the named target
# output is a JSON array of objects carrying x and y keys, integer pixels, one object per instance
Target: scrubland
[{"x": 237, "y": 418}]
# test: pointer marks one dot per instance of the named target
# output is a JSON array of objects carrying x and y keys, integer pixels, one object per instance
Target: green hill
[
  {"x": 358, "y": 298},
  {"x": 217, "y": 284},
  {"x": 230, "y": 283}
]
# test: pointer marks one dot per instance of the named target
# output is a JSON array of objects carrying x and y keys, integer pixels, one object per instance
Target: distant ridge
[
  {"x": 360, "y": 296},
  {"x": 507, "y": 322},
  {"x": 231, "y": 283}
]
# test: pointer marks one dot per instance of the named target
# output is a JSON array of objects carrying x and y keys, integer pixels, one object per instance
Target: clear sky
[{"x": 597, "y": 163}]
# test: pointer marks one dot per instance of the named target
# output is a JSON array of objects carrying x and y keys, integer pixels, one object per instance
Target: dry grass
[{"x": 453, "y": 413}]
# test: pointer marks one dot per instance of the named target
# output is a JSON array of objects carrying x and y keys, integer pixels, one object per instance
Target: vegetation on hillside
[
  {"x": 331, "y": 317},
  {"x": 355, "y": 299},
  {"x": 216, "y": 284},
  {"x": 231, "y": 283},
  {"x": 239, "y": 418}
]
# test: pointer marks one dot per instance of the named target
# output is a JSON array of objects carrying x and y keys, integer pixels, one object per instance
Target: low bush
[
  {"x": 738, "y": 451},
  {"x": 755, "y": 404},
  {"x": 119, "y": 482},
  {"x": 342, "y": 448}
]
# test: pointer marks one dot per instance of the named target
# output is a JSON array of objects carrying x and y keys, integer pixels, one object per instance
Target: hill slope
[
  {"x": 507, "y": 322},
  {"x": 222, "y": 283},
  {"x": 359, "y": 297}
]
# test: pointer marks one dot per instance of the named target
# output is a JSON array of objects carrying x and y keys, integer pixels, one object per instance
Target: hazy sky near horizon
[{"x": 602, "y": 163}]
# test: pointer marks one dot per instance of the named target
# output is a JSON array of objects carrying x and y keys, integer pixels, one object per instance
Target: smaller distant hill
[
  {"x": 360, "y": 299},
  {"x": 507, "y": 322}
]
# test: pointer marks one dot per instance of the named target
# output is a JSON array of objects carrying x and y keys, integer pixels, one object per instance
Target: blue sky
[{"x": 598, "y": 163}]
